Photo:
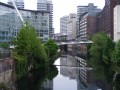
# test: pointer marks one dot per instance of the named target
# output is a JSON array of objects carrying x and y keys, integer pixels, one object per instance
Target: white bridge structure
[{"x": 74, "y": 42}]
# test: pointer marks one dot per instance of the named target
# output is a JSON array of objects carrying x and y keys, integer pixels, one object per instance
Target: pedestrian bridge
[{"x": 74, "y": 42}]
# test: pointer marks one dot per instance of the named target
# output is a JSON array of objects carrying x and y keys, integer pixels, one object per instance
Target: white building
[
  {"x": 71, "y": 27},
  {"x": 63, "y": 25},
  {"x": 117, "y": 23},
  {"x": 68, "y": 26}
]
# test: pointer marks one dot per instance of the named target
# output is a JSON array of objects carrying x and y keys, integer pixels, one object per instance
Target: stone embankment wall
[{"x": 6, "y": 65}]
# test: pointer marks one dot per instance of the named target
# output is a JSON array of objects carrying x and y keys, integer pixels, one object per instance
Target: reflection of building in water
[
  {"x": 78, "y": 50},
  {"x": 82, "y": 86},
  {"x": 84, "y": 76},
  {"x": 85, "y": 79},
  {"x": 48, "y": 85},
  {"x": 68, "y": 62}
]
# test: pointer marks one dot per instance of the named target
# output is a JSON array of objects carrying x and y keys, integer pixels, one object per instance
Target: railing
[{"x": 73, "y": 42}]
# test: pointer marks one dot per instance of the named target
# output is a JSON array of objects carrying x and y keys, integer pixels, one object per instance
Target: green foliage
[
  {"x": 96, "y": 50},
  {"x": 116, "y": 54},
  {"x": 100, "y": 53},
  {"x": 36, "y": 78},
  {"x": 4, "y": 45},
  {"x": 28, "y": 51},
  {"x": 3, "y": 86},
  {"x": 108, "y": 50},
  {"x": 51, "y": 48},
  {"x": 53, "y": 72}
]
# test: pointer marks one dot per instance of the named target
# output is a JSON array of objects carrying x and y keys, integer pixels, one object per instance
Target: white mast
[{"x": 17, "y": 11}]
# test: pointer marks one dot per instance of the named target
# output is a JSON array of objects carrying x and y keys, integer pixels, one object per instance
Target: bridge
[{"x": 73, "y": 42}]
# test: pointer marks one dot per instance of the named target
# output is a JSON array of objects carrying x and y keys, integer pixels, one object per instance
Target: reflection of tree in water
[
  {"x": 104, "y": 76},
  {"x": 35, "y": 78},
  {"x": 117, "y": 82}
]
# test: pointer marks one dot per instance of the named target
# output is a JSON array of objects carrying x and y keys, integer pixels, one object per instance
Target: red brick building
[
  {"x": 105, "y": 17},
  {"x": 87, "y": 26}
]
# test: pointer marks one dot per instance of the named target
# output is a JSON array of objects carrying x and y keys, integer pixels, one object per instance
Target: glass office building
[
  {"x": 46, "y": 5},
  {"x": 10, "y": 22},
  {"x": 19, "y": 3}
]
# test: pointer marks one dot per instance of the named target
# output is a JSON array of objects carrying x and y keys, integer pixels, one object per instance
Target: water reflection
[
  {"x": 72, "y": 74},
  {"x": 117, "y": 82},
  {"x": 41, "y": 79},
  {"x": 67, "y": 73}
]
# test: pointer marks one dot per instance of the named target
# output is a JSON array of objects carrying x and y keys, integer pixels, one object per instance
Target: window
[{"x": 44, "y": 24}]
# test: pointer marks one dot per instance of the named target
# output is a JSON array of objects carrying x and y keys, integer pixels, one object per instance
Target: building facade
[
  {"x": 42, "y": 5},
  {"x": 68, "y": 26},
  {"x": 10, "y": 22},
  {"x": 19, "y": 3},
  {"x": 81, "y": 10},
  {"x": 117, "y": 23},
  {"x": 71, "y": 27},
  {"x": 50, "y": 9},
  {"x": 46, "y": 5},
  {"x": 60, "y": 37},
  {"x": 87, "y": 27},
  {"x": 63, "y": 25},
  {"x": 105, "y": 18}
]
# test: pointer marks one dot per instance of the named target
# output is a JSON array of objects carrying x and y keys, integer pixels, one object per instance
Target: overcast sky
[{"x": 62, "y": 8}]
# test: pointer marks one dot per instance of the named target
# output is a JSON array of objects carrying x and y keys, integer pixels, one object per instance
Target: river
[{"x": 67, "y": 73}]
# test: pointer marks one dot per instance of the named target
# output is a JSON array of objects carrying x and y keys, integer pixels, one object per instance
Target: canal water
[
  {"x": 73, "y": 75},
  {"x": 67, "y": 73}
]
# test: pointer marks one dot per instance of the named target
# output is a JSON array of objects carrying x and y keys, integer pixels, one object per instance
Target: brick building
[{"x": 105, "y": 18}]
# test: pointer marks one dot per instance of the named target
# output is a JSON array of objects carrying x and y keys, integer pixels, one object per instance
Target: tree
[
  {"x": 116, "y": 55},
  {"x": 100, "y": 55},
  {"x": 4, "y": 45},
  {"x": 51, "y": 48},
  {"x": 96, "y": 49},
  {"x": 28, "y": 51},
  {"x": 108, "y": 51}
]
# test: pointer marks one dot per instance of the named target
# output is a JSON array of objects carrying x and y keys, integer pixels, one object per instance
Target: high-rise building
[
  {"x": 117, "y": 23},
  {"x": 50, "y": 9},
  {"x": 42, "y": 5},
  {"x": 105, "y": 18},
  {"x": 68, "y": 26},
  {"x": 63, "y": 24},
  {"x": 90, "y": 9},
  {"x": 71, "y": 27},
  {"x": 19, "y": 3},
  {"x": 10, "y": 22},
  {"x": 87, "y": 26},
  {"x": 46, "y": 5}
]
